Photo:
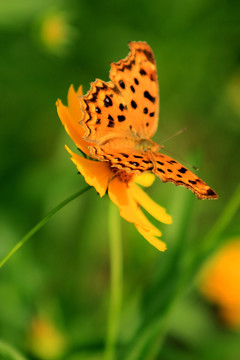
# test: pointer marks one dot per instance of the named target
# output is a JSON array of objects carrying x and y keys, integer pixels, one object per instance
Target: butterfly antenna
[
  {"x": 181, "y": 159},
  {"x": 172, "y": 136}
]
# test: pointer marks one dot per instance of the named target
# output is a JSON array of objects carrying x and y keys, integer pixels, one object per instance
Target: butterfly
[{"x": 120, "y": 118}]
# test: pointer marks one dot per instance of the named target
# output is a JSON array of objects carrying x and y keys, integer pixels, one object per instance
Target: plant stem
[
  {"x": 116, "y": 282},
  {"x": 41, "y": 224}
]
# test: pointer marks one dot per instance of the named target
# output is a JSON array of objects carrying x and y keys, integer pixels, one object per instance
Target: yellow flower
[
  {"x": 221, "y": 282},
  {"x": 122, "y": 186},
  {"x": 55, "y": 32},
  {"x": 45, "y": 340}
]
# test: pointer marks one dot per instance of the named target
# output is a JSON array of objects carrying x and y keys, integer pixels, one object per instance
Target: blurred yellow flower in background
[
  {"x": 121, "y": 186},
  {"x": 45, "y": 340},
  {"x": 55, "y": 32},
  {"x": 220, "y": 282}
]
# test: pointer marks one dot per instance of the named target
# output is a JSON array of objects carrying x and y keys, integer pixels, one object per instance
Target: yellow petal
[
  {"x": 157, "y": 243},
  {"x": 96, "y": 173},
  {"x": 145, "y": 179},
  {"x": 79, "y": 91},
  {"x": 75, "y": 107},
  {"x": 74, "y": 130},
  {"x": 148, "y": 204},
  {"x": 121, "y": 196}
]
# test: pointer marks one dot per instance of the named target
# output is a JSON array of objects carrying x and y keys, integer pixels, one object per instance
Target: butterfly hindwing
[{"x": 123, "y": 155}]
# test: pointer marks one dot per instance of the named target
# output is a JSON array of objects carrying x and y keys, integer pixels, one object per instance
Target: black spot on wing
[
  {"x": 110, "y": 124},
  {"x": 125, "y": 155},
  {"x": 132, "y": 89},
  {"x": 148, "y": 96},
  {"x": 122, "y": 84},
  {"x": 121, "y": 107},
  {"x": 182, "y": 170},
  {"x": 111, "y": 121},
  {"x": 134, "y": 163},
  {"x": 210, "y": 192},
  {"x": 133, "y": 104},
  {"x": 192, "y": 182},
  {"x": 121, "y": 118},
  {"x": 171, "y": 161},
  {"x": 147, "y": 161},
  {"x": 142, "y": 72},
  {"x": 149, "y": 56},
  {"x": 107, "y": 101}
]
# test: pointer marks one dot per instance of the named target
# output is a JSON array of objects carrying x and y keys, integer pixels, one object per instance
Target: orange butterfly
[{"x": 121, "y": 116}]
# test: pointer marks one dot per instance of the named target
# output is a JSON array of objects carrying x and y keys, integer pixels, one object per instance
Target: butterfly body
[{"x": 121, "y": 116}]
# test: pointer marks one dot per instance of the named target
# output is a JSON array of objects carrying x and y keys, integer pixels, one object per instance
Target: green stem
[
  {"x": 7, "y": 352},
  {"x": 41, "y": 224},
  {"x": 116, "y": 282},
  {"x": 150, "y": 338}
]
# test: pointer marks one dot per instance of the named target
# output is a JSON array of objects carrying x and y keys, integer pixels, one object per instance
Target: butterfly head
[{"x": 147, "y": 145}]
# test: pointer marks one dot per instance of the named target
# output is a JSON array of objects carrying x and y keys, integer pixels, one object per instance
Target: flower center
[{"x": 123, "y": 176}]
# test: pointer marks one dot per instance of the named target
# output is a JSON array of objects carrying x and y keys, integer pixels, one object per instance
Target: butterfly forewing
[
  {"x": 127, "y": 105},
  {"x": 136, "y": 77}
]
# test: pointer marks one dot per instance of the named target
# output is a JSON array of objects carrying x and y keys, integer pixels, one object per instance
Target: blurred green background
[{"x": 58, "y": 283}]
